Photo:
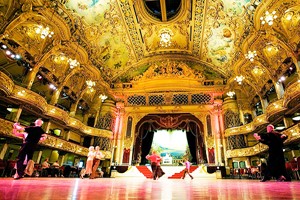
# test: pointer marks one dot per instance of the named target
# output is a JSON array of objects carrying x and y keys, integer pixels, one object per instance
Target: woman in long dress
[
  {"x": 89, "y": 162},
  {"x": 96, "y": 162}
]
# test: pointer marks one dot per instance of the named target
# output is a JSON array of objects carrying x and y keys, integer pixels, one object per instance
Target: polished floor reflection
[{"x": 141, "y": 188}]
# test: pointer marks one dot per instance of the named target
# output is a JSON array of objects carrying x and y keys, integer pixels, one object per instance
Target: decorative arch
[{"x": 148, "y": 125}]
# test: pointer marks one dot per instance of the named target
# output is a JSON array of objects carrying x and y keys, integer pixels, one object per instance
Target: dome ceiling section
[
  {"x": 163, "y": 10},
  {"x": 100, "y": 21}
]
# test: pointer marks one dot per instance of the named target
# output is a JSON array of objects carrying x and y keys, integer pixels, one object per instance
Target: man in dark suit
[
  {"x": 276, "y": 162},
  {"x": 35, "y": 134}
]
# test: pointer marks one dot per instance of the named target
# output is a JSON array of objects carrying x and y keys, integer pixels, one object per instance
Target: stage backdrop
[{"x": 170, "y": 143}]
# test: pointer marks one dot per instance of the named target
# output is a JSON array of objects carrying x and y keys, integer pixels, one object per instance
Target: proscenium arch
[{"x": 182, "y": 121}]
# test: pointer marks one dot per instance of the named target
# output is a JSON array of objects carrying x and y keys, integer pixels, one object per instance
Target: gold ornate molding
[
  {"x": 51, "y": 141},
  {"x": 258, "y": 121},
  {"x": 7, "y": 85},
  {"x": 275, "y": 108},
  {"x": 127, "y": 143},
  {"x": 291, "y": 93},
  {"x": 210, "y": 142},
  {"x": 39, "y": 103},
  {"x": 250, "y": 151},
  {"x": 293, "y": 134}
]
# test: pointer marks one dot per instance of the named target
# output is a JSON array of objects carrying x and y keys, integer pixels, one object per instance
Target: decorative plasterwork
[
  {"x": 7, "y": 85},
  {"x": 51, "y": 141},
  {"x": 34, "y": 100},
  {"x": 274, "y": 108},
  {"x": 257, "y": 121},
  {"x": 210, "y": 142},
  {"x": 293, "y": 134},
  {"x": 291, "y": 92},
  {"x": 249, "y": 151},
  {"x": 127, "y": 143},
  {"x": 170, "y": 70}
]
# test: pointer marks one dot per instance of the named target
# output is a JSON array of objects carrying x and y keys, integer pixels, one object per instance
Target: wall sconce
[
  {"x": 230, "y": 94},
  {"x": 250, "y": 55},
  {"x": 165, "y": 37},
  {"x": 269, "y": 18},
  {"x": 239, "y": 79}
]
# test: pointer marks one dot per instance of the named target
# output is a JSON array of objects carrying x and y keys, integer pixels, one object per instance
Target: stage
[{"x": 143, "y": 188}]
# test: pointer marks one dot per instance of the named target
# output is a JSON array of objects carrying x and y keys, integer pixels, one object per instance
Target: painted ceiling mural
[
  {"x": 102, "y": 20},
  {"x": 106, "y": 18},
  {"x": 120, "y": 40}
]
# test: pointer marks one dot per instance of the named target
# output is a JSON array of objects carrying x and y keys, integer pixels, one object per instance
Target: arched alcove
[{"x": 150, "y": 124}]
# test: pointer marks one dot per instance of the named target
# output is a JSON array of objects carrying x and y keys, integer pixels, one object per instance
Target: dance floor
[{"x": 142, "y": 188}]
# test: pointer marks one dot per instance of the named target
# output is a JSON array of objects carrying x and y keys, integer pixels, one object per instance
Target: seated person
[
  {"x": 46, "y": 168},
  {"x": 101, "y": 173},
  {"x": 55, "y": 169}
]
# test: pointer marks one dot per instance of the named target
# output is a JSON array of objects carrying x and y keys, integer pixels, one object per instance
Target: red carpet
[
  {"x": 144, "y": 170},
  {"x": 180, "y": 174},
  {"x": 148, "y": 174}
]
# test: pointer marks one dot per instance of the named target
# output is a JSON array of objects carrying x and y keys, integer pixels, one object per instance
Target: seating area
[
  {"x": 255, "y": 173},
  {"x": 7, "y": 169}
]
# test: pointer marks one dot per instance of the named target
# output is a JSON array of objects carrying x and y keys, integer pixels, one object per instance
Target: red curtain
[
  {"x": 126, "y": 154},
  {"x": 211, "y": 155}
]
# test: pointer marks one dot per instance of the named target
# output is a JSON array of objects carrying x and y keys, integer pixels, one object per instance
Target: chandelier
[
  {"x": 90, "y": 83},
  {"x": 230, "y": 93},
  {"x": 102, "y": 97},
  {"x": 73, "y": 63},
  {"x": 165, "y": 37},
  {"x": 44, "y": 32},
  {"x": 250, "y": 55},
  {"x": 269, "y": 17},
  {"x": 239, "y": 79}
]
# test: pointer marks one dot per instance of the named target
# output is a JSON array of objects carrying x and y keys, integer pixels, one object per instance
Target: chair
[
  {"x": 2, "y": 167},
  {"x": 37, "y": 170},
  {"x": 44, "y": 172},
  {"x": 10, "y": 168}
]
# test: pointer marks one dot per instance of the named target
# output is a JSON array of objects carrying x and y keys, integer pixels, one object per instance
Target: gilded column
[
  {"x": 219, "y": 132},
  {"x": 279, "y": 90},
  {"x": 3, "y": 151},
  {"x": 118, "y": 130},
  {"x": 107, "y": 120}
]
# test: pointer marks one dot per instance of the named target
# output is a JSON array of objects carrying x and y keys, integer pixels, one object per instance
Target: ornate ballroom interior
[{"x": 107, "y": 72}]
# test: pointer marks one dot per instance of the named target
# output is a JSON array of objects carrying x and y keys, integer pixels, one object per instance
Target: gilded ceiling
[{"x": 117, "y": 41}]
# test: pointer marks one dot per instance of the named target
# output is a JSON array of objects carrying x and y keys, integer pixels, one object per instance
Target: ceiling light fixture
[
  {"x": 269, "y": 18},
  {"x": 250, "y": 55},
  {"x": 90, "y": 83},
  {"x": 102, "y": 97},
  {"x": 44, "y": 32},
  {"x": 73, "y": 63},
  {"x": 165, "y": 37},
  {"x": 239, "y": 79},
  {"x": 230, "y": 94}
]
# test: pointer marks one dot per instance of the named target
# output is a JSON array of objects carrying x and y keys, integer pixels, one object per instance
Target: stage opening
[{"x": 171, "y": 145}]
